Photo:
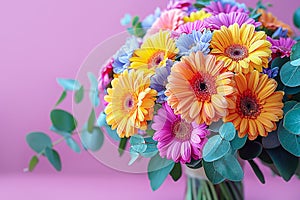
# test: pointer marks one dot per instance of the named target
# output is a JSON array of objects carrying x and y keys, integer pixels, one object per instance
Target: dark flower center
[
  {"x": 248, "y": 105},
  {"x": 203, "y": 86}
]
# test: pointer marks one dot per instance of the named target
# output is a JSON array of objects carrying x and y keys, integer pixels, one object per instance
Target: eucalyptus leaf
[
  {"x": 38, "y": 141},
  {"x": 288, "y": 106},
  {"x": 53, "y": 158},
  {"x": 138, "y": 143},
  {"x": 194, "y": 164},
  {"x": 62, "y": 133},
  {"x": 227, "y": 131},
  {"x": 215, "y": 148},
  {"x": 158, "y": 170},
  {"x": 63, "y": 120},
  {"x": 33, "y": 163},
  {"x": 61, "y": 98},
  {"x": 250, "y": 150},
  {"x": 238, "y": 142},
  {"x": 296, "y": 18},
  {"x": 296, "y": 62},
  {"x": 257, "y": 171},
  {"x": 79, "y": 94},
  {"x": 229, "y": 168},
  {"x": 68, "y": 84},
  {"x": 285, "y": 163},
  {"x": 73, "y": 144},
  {"x": 215, "y": 126},
  {"x": 289, "y": 141},
  {"x": 92, "y": 140},
  {"x": 135, "y": 20},
  {"x": 133, "y": 156},
  {"x": 295, "y": 54},
  {"x": 93, "y": 90},
  {"x": 291, "y": 121},
  {"x": 91, "y": 121},
  {"x": 122, "y": 145},
  {"x": 176, "y": 172},
  {"x": 278, "y": 62},
  {"x": 214, "y": 176},
  {"x": 290, "y": 75},
  {"x": 271, "y": 141}
]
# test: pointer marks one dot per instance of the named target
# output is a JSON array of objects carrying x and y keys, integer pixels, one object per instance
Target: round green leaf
[
  {"x": 38, "y": 141},
  {"x": 138, "y": 143},
  {"x": 250, "y": 150},
  {"x": 229, "y": 167},
  {"x": 295, "y": 54},
  {"x": 79, "y": 94},
  {"x": 288, "y": 106},
  {"x": 133, "y": 156},
  {"x": 93, "y": 94},
  {"x": 215, "y": 126},
  {"x": 158, "y": 170},
  {"x": 176, "y": 172},
  {"x": 238, "y": 142},
  {"x": 296, "y": 18},
  {"x": 33, "y": 162},
  {"x": 291, "y": 121},
  {"x": 68, "y": 84},
  {"x": 94, "y": 140},
  {"x": 214, "y": 176},
  {"x": 289, "y": 141},
  {"x": 53, "y": 158},
  {"x": 215, "y": 148},
  {"x": 63, "y": 120},
  {"x": 285, "y": 163},
  {"x": 227, "y": 131},
  {"x": 73, "y": 144},
  {"x": 278, "y": 62},
  {"x": 290, "y": 75},
  {"x": 296, "y": 62},
  {"x": 271, "y": 141}
]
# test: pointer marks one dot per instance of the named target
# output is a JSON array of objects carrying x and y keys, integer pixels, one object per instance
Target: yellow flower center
[
  {"x": 203, "y": 86},
  {"x": 248, "y": 106},
  {"x": 236, "y": 52},
  {"x": 182, "y": 130}
]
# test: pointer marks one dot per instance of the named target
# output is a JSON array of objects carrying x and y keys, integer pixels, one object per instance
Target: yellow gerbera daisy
[
  {"x": 130, "y": 102},
  {"x": 194, "y": 16},
  {"x": 242, "y": 49},
  {"x": 256, "y": 107},
  {"x": 154, "y": 52},
  {"x": 197, "y": 88}
]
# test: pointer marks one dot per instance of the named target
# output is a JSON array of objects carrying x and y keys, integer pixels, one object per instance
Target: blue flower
[
  {"x": 121, "y": 58},
  {"x": 159, "y": 81},
  {"x": 271, "y": 72},
  {"x": 196, "y": 41},
  {"x": 280, "y": 32},
  {"x": 234, "y": 3},
  {"x": 150, "y": 19}
]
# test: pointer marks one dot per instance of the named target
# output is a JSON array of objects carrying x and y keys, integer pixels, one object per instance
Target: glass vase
[{"x": 200, "y": 188}]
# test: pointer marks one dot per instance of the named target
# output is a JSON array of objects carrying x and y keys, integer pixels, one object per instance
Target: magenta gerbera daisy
[
  {"x": 217, "y": 7},
  {"x": 177, "y": 139},
  {"x": 188, "y": 27},
  {"x": 281, "y": 47},
  {"x": 227, "y": 19}
]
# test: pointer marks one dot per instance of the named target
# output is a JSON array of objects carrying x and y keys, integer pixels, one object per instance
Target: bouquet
[{"x": 209, "y": 85}]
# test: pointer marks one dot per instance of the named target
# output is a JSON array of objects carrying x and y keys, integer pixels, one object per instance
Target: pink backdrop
[{"x": 42, "y": 40}]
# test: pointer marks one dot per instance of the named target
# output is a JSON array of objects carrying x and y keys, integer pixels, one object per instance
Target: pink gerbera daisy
[
  {"x": 227, "y": 19},
  {"x": 177, "y": 139},
  {"x": 188, "y": 27},
  {"x": 217, "y": 7},
  {"x": 169, "y": 20},
  {"x": 281, "y": 47},
  {"x": 180, "y": 4}
]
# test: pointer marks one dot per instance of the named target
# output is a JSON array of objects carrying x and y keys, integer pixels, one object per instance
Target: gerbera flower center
[
  {"x": 156, "y": 59},
  {"x": 129, "y": 102},
  {"x": 236, "y": 52},
  {"x": 182, "y": 130},
  {"x": 248, "y": 105},
  {"x": 203, "y": 86}
]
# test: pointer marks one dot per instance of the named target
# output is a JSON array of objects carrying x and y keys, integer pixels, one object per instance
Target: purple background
[{"x": 44, "y": 39}]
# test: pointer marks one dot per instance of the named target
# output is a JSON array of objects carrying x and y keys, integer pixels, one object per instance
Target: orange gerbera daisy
[
  {"x": 242, "y": 49},
  {"x": 130, "y": 102},
  {"x": 256, "y": 106},
  {"x": 269, "y": 21},
  {"x": 197, "y": 88}
]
